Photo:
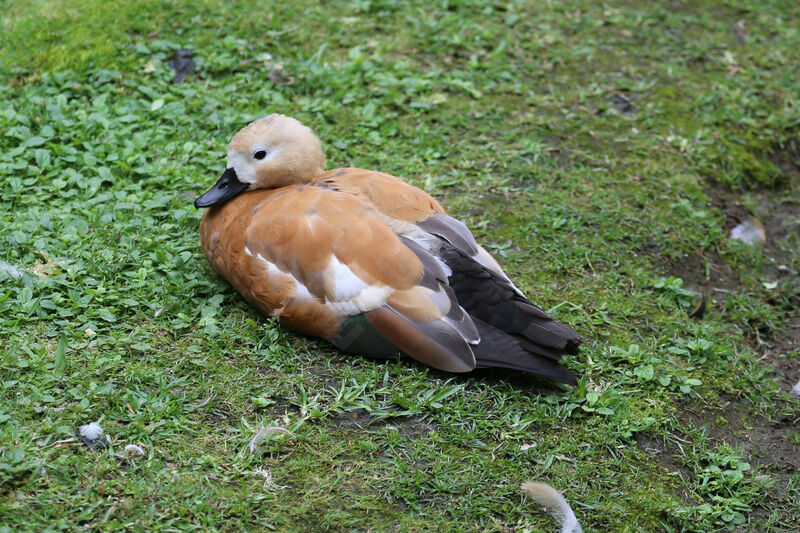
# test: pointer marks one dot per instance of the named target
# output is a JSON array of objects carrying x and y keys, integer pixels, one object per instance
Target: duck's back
[{"x": 390, "y": 195}]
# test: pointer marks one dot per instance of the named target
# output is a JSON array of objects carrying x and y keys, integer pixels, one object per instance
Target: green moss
[{"x": 742, "y": 166}]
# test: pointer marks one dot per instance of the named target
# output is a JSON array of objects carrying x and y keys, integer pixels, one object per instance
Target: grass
[{"x": 591, "y": 147}]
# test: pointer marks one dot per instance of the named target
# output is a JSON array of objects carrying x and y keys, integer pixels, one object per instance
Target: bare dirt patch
[
  {"x": 772, "y": 444},
  {"x": 778, "y": 210},
  {"x": 665, "y": 454},
  {"x": 361, "y": 420},
  {"x": 706, "y": 272},
  {"x": 788, "y": 367}
]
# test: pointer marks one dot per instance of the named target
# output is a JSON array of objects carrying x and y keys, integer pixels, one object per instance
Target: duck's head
[{"x": 271, "y": 152}]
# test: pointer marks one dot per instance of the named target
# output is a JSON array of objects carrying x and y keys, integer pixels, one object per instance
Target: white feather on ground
[
  {"x": 554, "y": 504},
  {"x": 269, "y": 481},
  {"x": 796, "y": 389},
  {"x": 13, "y": 271},
  {"x": 91, "y": 431},
  {"x": 264, "y": 432},
  {"x": 133, "y": 449}
]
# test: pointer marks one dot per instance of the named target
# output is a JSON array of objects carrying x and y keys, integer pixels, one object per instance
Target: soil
[
  {"x": 360, "y": 420},
  {"x": 772, "y": 445},
  {"x": 665, "y": 453},
  {"x": 778, "y": 210}
]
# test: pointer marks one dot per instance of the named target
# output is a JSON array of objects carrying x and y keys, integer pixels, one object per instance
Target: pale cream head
[{"x": 275, "y": 151}]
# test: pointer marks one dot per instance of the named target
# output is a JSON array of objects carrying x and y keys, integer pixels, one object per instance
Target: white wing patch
[
  {"x": 369, "y": 299},
  {"x": 340, "y": 282},
  {"x": 348, "y": 294}
]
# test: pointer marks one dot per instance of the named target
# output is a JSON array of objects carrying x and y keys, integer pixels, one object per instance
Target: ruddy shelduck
[{"x": 366, "y": 261}]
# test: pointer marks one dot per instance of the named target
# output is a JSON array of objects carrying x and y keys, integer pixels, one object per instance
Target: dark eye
[{"x": 261, "y": 154}]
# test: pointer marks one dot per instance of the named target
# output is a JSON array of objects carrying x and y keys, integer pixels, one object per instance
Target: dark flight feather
[
  {"x": 533, "y": 340},
  {"x": 499, "y": 349}
]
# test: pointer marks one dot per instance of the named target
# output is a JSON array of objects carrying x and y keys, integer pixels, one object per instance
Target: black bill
[{"x": 226, "y": 188}]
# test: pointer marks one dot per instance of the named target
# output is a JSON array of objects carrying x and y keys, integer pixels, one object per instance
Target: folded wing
[{"x": 345, "y": 260}]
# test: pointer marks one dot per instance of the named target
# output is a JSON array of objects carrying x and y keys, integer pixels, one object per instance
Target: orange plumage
[{"x": 366, "y": 261}]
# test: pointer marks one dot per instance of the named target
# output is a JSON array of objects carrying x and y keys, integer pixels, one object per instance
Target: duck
[{"x": 367, "y": 261}]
